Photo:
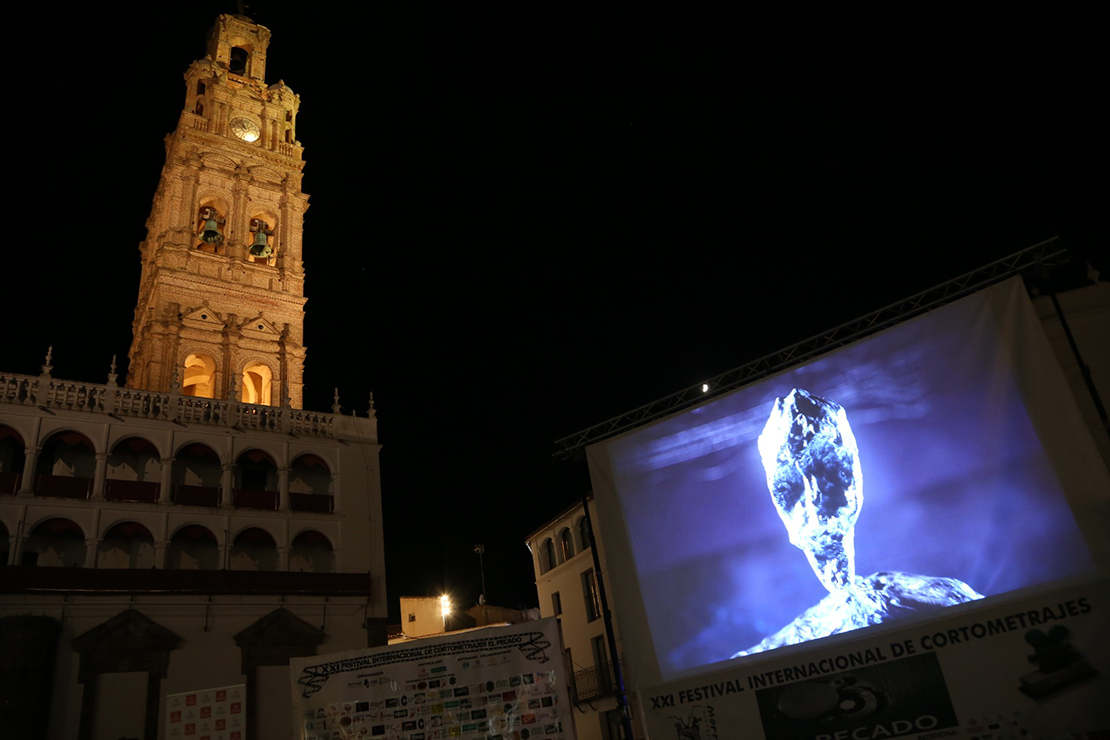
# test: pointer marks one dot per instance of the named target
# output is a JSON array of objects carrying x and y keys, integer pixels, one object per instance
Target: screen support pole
[
  {"x": 1084, "y": 370},
  {"x": 610, "y": 634}
]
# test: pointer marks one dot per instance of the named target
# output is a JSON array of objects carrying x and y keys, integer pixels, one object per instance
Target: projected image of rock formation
[{"x": 813, "y": 472}]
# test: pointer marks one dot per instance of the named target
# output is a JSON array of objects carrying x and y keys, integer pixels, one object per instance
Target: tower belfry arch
[{"x": 221, "y": 296}]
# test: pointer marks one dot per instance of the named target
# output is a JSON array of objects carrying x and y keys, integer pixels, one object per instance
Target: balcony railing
[
  {"x": 50, "y": 393},
  {"x": 63, "y": 486},
  {"x": 321, "y": 503},
  {"x": 196, "y": 495},
  {"x": 263, "y": 500},
  {"x": 131, "y": 490},
  {"x": 595, "y": 682}
]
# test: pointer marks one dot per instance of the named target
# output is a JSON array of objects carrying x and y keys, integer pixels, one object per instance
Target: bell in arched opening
[
  {"x": 210, "y": 226},
  {"x": 262, "y": 232}
]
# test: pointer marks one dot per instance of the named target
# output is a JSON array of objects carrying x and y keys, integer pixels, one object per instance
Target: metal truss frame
[{"x": 1047, "y": 254}]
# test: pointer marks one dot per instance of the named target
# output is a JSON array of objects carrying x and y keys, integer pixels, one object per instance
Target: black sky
[{"x": 532, "y": 220}]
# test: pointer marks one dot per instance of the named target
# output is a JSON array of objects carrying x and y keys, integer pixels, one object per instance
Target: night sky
[{"x": 526, "y": 221}]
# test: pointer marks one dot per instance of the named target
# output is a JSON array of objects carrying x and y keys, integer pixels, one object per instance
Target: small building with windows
[
  {"x": 193, "y": 527},
  {"x": 567, "y": 586}
]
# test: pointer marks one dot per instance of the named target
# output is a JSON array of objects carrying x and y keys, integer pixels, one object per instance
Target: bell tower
[{"x": 221, "y": 297}]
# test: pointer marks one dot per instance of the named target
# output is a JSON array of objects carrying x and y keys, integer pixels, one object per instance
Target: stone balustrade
[
  {"x": 194, "y": 121},
  {"x": 54, "y": 394}
]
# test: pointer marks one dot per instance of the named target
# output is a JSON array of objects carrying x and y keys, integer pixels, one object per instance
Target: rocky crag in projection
[{"x": 813, "y": 472}]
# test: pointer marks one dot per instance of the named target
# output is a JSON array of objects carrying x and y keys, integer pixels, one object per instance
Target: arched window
[
  {"x": 126, "y": 545},
  {"x": 547, "y": 556},
  {"x": 310, "y": 485},
  {"x": 255, "y": 470},
  {"x": 256, "y": 481},
  {"x": 566, "y": 544},
  {"x": 55, "y": 543},
  {"x": 311, "y": 553},
  {"x": 66, "y": 466},
  {"x": 584, "y": 533},
  {"x": 310, "y": 474},
  {"x": 257, "y": 384},
  {"x": 254, "y": 549},
  {"x": 200, "y": 372},
  {"x": 196, "y": 476},
  {"x": 12, "y": 451},
  {"x": 193, "y": 547},
  {"x": 240, "y": 59},
  {"x": 134, "y": 471}
]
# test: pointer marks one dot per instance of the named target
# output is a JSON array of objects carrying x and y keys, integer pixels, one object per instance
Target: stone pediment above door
[{"x": 129, "y": 641}]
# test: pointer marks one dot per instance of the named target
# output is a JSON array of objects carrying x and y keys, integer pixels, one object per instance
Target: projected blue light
[
  {"x": 816, "y": 483},
  {"x": 962, "y": 501}
]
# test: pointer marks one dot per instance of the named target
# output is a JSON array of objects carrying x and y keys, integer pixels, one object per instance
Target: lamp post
[{"x": 481, "y": 549}]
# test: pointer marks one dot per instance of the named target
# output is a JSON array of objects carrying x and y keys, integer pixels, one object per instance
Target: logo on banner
[
  {"x": 700, "y": 724},
  {"x": 1058, "y": 663},
  {"x": 898, "y": 699}
]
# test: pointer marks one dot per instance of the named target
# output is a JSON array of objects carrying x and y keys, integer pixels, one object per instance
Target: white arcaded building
[{"x": 194, "y": 527}]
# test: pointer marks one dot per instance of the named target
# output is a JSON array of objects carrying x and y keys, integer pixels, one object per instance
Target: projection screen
[{"x": 940, "y": 464}]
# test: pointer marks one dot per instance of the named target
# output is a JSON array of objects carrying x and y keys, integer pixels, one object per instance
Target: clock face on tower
[{"x": 245, "y": 129}]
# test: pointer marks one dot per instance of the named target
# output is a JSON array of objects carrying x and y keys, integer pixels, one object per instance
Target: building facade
[
  {"x": 568, "y": 587},
  {"x": 194, "y": 527}
]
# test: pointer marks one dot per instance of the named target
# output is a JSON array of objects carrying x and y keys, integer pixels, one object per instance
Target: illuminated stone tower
[{"x": 221, "y": 298}]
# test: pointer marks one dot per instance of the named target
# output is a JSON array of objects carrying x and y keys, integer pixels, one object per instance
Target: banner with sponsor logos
[
  {"x": 506, "y": 683},
  {"x": 1035, "y": 668},
  {"x": 211, "y": 714}
]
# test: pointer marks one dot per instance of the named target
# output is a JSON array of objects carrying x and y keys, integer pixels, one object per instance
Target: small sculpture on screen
[{"x": 813, "y": 472}]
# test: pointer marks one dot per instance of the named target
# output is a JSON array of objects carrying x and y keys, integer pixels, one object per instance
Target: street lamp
[
  {"x": 445, "y": 609},
  {"x": 481, "y": 549}
]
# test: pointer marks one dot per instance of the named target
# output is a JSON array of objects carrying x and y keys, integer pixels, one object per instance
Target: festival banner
[
  {"x": 1034, "y": 668},
  {"x": 211, "y": 714},
  {"x": 504, "y": 683}
]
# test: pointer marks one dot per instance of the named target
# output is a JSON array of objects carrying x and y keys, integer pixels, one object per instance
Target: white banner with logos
[
  {"x": 497, "y": 682},
  {"x": 1025, "y": 669},
  {"x": 210, "y": 714}
]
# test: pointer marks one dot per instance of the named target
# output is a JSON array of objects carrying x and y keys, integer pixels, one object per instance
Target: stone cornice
[{"x": 217, "y": 141}]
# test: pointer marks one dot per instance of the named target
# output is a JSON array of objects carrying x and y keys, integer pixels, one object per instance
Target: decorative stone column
[
  {"x": 30, "y": 463},
  {"x": 165, "y": 489},
  {"x": 225, "y": 485},
  {"x": 160, "y": 554},
  {"x": 14, "y": 549},
  {"x": 283, "y": 489},
  {"x": 92, "y": 550},
  {"x": 283, "y": 558},
  {"x": 100, "y": 475}
]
